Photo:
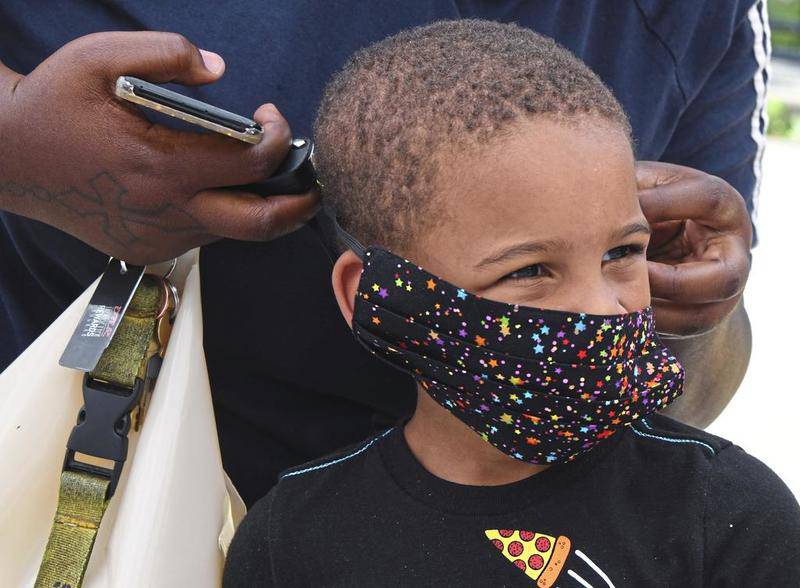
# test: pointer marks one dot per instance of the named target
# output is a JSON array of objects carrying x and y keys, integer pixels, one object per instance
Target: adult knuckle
[
  {"x": 263, "y": 223},
  {"x": 669, "y": 175},
  {"x": 675, "y": 282},
  {"x": 92, "y": 49},
  {"x": 731, "y": 283},
  {"x": 277, "y": 138},
  {"x": 658, "y": 198},
  {"x": 718, "y": 194},
  {"x": 175, "y": 48},
  {"x": 283, "y": 134},
  {"x": 260, "y": 165},
  {"x": 175, "y": 42},
  {"x": 265, "y": 161}
]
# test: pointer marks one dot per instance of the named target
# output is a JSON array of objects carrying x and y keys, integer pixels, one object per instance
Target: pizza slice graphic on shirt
[{"x": 541, "y": 557}]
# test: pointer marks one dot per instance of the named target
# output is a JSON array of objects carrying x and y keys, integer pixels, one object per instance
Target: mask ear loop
[{"x": 348, "y": 239}]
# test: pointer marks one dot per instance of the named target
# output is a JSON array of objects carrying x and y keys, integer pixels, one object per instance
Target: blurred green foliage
[
  {"x": 787, "y": 11},
  {"x": 784, "y": 122}
]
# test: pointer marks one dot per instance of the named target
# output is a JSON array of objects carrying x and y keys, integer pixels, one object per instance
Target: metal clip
[{"x": 164, "y": 321}]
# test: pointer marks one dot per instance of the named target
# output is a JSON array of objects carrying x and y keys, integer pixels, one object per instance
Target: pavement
[{"x": 764, "y": 416}]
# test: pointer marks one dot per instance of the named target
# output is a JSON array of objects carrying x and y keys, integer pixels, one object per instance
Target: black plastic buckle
[{"x": 103, "y": 425}]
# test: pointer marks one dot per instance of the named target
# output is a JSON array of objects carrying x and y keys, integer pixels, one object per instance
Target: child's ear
[{"x": 346, "y": 274}]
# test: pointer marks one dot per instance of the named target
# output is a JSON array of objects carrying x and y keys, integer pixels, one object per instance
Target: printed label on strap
[{"x": 102, "y": 316}]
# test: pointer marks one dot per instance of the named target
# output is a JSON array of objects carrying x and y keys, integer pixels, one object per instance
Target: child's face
[{"x": 545, "y": 217}]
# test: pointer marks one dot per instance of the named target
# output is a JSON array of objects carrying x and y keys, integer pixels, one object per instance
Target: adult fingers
[
  {"x": 158, "y": 57},
  {"x": 720, "y": 278},
  {"x": 200, "y": 161},
  {"x": 705, "y": 199},
  {"x": 691, "y": 319},
  {"x": 650, "y": 174},
  {"x": 245, "y": 216}
]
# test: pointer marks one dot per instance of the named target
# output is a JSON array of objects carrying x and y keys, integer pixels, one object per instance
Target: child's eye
[
  {"x": 622, "y": 251},
  {"x": 526, "y": 273},
  {"x": 535, "y": 270}
]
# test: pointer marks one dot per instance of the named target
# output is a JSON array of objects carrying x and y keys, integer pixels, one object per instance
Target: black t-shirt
[
  {"x": 661, "y": 504},
  {"x": 288, "y": 379}
]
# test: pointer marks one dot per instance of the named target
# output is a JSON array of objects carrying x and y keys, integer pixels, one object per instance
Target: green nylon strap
[
  {"x": 82, "y": 496},
  {"x": 122, "y": 361},
  {"x": 81, "y": 505}
]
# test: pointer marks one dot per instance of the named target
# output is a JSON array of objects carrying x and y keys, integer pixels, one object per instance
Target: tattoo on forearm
[{"x": 106, "y": 200}]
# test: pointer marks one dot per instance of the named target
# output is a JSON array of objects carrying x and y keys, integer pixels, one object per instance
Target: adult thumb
[{"x": 154, "y": 56}]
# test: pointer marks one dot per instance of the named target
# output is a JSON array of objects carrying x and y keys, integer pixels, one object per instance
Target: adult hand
[
  {"x": 77, "y": 158},
  {"x": 699, "y": 252}
]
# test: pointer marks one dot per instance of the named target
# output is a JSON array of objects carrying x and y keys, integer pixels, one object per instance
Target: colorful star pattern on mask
[{"x": 540, "y": 385}]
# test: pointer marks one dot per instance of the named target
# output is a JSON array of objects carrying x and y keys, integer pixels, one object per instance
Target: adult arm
[
  {"x": 715, "y": 364},
  {"x": 698, "y": 263},
  {"x": 78, "y": 159},
  {"x": 720, "y": 132}
]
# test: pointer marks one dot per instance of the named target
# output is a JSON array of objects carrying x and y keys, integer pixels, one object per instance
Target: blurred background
[{"x": 764, "y": 416}]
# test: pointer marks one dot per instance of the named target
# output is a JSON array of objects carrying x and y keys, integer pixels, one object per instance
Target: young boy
[{"x": 492, "y": 158}]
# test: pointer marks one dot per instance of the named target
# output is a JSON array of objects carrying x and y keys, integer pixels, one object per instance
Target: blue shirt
[{"x": 290, "y": 383}]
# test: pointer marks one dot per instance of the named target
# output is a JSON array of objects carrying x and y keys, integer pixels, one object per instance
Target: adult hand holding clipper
[{"x": 78, "y": 159}]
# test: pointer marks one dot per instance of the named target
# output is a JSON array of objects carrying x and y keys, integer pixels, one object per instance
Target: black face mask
[{"x": 540, "y": 385}]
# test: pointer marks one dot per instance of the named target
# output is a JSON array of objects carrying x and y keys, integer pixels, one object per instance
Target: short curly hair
[{"x": 386, "y": 115}]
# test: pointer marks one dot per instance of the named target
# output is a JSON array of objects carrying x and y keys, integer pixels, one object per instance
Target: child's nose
[{"x": 595, "y": 296}]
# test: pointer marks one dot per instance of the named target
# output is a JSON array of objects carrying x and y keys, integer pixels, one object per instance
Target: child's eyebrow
[
  {"x": 528, "y": 247},
  {"x": 630, "y": 229},
  {"x": 521, "y": 249}
]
